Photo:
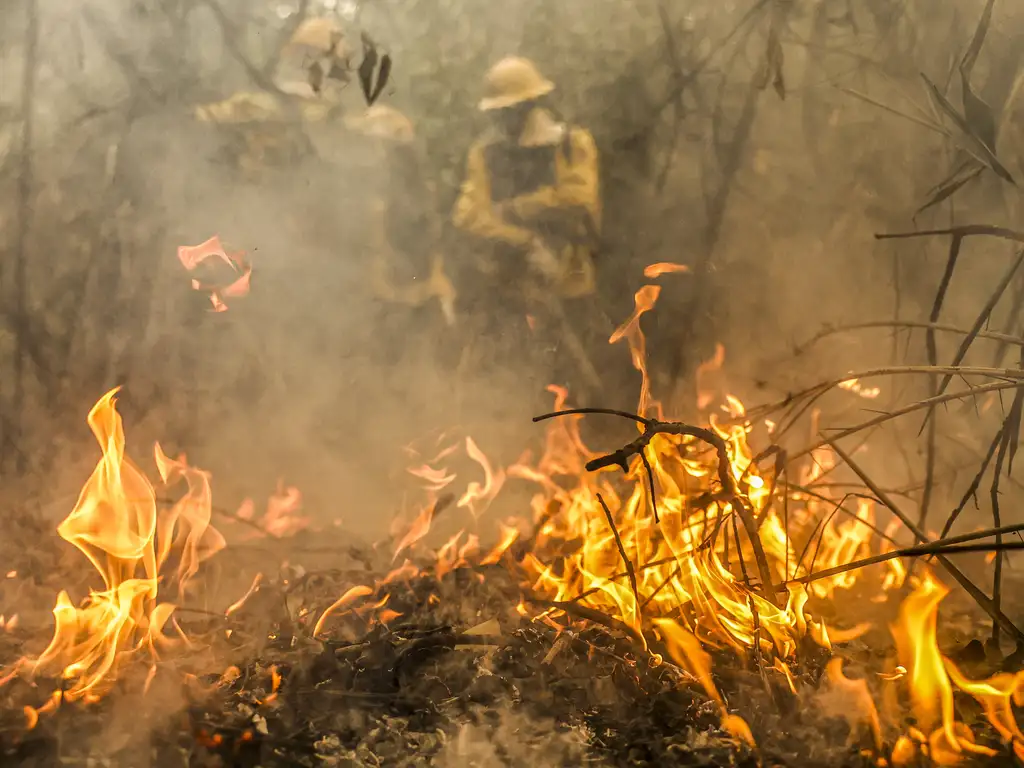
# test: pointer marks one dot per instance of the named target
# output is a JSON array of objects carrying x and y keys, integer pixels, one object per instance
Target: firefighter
[
  {"x": 406, "y": 269},
  {"x": 531, "y": 196},
  {"x": 270, "y": 127}
]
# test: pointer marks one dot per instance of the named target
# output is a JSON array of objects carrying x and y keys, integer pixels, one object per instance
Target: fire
[
  {"x": 668, "y": 553},
  {"x": 115, "y": 524}
]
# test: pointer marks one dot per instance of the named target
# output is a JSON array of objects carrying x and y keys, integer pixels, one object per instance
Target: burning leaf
[
  {"x": 652, "y": 271},
  {"x": 200, "y": 256}
]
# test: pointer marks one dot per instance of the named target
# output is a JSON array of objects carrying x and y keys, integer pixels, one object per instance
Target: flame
[
  {"x": 115, "y": 524},
  {"x": 346, "y": 599},
  {"x": 854, "y": 385},
  {"x": 857, "y": 705},
  {"x": 696, "y": 575},
  {"x": 931, "y": 689},
  {"x": 509, "y": 535},
  {"x": 479, "y": 495},
  {"x": 644, "y": 301},
  {"x": 705, "y": 393}
]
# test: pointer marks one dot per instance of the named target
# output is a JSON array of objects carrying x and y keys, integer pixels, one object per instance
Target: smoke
[{"x": 310, "y": 379}]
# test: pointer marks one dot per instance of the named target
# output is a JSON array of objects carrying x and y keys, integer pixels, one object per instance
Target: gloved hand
[{"x": 543, "y": 261}]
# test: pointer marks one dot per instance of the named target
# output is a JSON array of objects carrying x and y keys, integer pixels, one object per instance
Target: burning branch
[
  {"x": 954, "y": 545},
  {"x": 625, "y": 558},
  {"x": 652, "y": 427}
]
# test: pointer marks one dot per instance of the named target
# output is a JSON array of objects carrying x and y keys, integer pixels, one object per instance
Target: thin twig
[
  {"x": 997, "y": 574},
  {"x": 678, "y": 105},
  {"x": 908, "y": 409},
  {"x": 983, "y": 317},
  {"x": 972, "y": 490},
  {"x": 650, "y": 480},
  {"x": 1003, "y": 338},
  {"x": 922, "y": 550},
  {"x": 594, "y": 615},
  {"x": 622, "y": 551},
  {"x": 983, "y": 601},
  {"x": 966, "y": 230}
]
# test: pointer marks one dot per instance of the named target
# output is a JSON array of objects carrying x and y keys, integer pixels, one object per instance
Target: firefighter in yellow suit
[
  {"x": 531, "y": 195},
  {"x": 268, "y": 129},
  {"x": 406, "y": 265}
]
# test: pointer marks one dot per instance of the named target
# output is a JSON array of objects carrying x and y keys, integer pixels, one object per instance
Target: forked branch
[{"x": 652, "y": 427}]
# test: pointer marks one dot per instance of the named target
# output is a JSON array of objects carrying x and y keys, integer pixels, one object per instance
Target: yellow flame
[{"x": 116, "y": 525}]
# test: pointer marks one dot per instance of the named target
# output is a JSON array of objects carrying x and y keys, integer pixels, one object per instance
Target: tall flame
[{"x": 116, "y": 525}]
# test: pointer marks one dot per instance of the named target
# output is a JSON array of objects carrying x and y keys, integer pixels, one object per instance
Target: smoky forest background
[{"x": 762, "y": 143}]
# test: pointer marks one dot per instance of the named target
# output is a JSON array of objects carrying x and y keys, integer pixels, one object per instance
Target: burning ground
[{"x": 682, "y": 600}]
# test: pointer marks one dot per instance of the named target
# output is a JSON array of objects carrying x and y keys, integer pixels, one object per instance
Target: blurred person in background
[
  {"x": 406, "y": 269},
  {"x": 269, "y": 128},
  {"x": 531, "y": 199}
]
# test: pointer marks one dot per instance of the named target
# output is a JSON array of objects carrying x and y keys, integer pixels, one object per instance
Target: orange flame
[
  {"x": 644, "y": 301},
  {"x": 115, "y": 524},
  {"x": 857, "y": 705}
]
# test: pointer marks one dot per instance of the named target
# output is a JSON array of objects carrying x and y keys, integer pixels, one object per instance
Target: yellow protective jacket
[
  {"x": 265, "y": 126},
  {"x": 564, "y": 210}
]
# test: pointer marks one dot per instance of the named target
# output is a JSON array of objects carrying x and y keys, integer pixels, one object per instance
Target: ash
[{"x": 457, "y": 678}]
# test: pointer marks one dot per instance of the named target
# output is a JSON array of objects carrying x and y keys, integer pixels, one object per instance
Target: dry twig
[
  {"x": 979, "y": 597},
  {"x": 652, "y": 427}
]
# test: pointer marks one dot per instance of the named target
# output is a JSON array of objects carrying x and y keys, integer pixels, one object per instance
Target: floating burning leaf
[
  {"x": 222, "y": 275},
  {"x": 652, "y": 271}
]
